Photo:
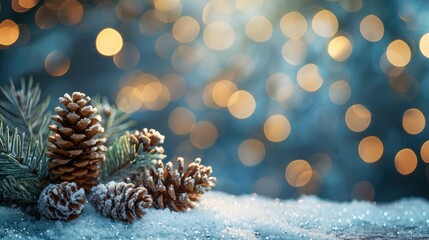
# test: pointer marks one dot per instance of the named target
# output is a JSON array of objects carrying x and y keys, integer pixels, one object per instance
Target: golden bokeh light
[
  {"x": 129, "y": 10},
  {"x": 267, "y": 186},
  {"x": 340, "y": 92},
  {"x": 165, "y": 46},
  {"x": 155, "y": 96},
  {"x": 57, "y": 63},
  {"x": 372, "y": 28},
  {"x": 413, "y": 121},
  {"x": 203, "y": 134},
  {"x": 46, "y": 17},
  {"x": 277, "y": 128},
  {"x": 325, "y": 23},
  {"x": 351, "y": 5},
  {"x": 298, "y": 173},
  {"x": 166, "y": 5},
  {"x": 219, "y": 35},
  {"x": 251, "y": 152},
  {"x": 313, "y": 186},
  {"x": 128, "y": 57},
  {"x": 405, "y": 161},
  {"x": 248, "y": 6},
  {"x": 370, "y": 149},
  {"x": 363, "y": 191},
  {"x": 185, "y": 29},
  {"x": 259, "y": 29},
  {"x": 129, "y": 99},
  {"x": 217, "y": 10},
  {"x": 358, "y": 118},
  {"x": 340, "y": 48},
  {"x": 149, "y": 24},
  {"x": 109, "y": 42},
  {"x": 424, "y": 45},
  {"x": 17, "y": 7},
  {"x": 279, "y": 87},
  {"x": 293, "y": 25},
  {"x": 9, "y": 32},
  {"x": 175, "y": 84},
  {"x": 398, "y": 53},
  {"x": 309, "y": 78},
  {"x": 424, "y": 152},
  {"x": 28, "y": 3},
  {"x": 294, "y": 51},
  {"x": 70, "y": 12},
  {"x": 222, "y": 91},
  {"x": 241, "y": 104},
  {"x": 181, "y": 120},
  {"x": 169, "y": 16}
]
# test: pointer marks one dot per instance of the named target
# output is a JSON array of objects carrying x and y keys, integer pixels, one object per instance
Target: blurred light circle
[
  {"x": 109, "y": 42},
  {"x": 321, "y": 162},
  {"x": 277, "y": 128},
  {"x": 217, "y": 10},
  {"x": 248, "y": 6},
  {"x": 219, "y": 35},
  {"x": 203, "y": 134},
  {"x": 128, "y": 57},
  {"x": 340, "y": 48},
  {"x": 28, "y": 3},
  {"x": 57, "y": 63},
  {"x": 363, "y": 191},
  {"x": 424, "y": 45},
  {"x": 166, "y": 5},
  {"x": 405, "y": 161},
  {"x": 241, "y": 104},
  {"x": 313, "y": 186},
  {"x": 9, "y": 32},
  {"x": 129, "y": 10},
  {"x": 184, "y": 59},
  {"x": 175, "y": 84},
  {"x": 351, "y": 5},
  {"x": 424, "y": 152},
  {"x": 165, "y": 46},
  {"x": 413, "y": 121},
  {"x": 294, "y": 51},
  {"x": 267, "y": 186},
  {"x": 181, "y": 120},
  {"x": 251, "y": 152},
  {"x": 358, "y": 118},
  {"x": 309, "y": 78},
  {"x": 293, "y": 25},
  {"x": 279, "y": 87},
  {"x": 149, "y": 24},
  {"x": 222, "y": 91},
  {"x": 298, "y": 173},
  {"x": 325, "y": 23},
  {"x": 129, "y": 99},
  {"x": 259, "y": 29},
  {"x": 339, "y": 92},
  {"x": 46, "y": 17},
  {"x": 372, "y": 28},
  {"x": 398, "y": 53},
  {"x": 185, "y": 29},
  {"x": 155, "y": 96},
  {"x": 370, "y": 149},
  {"x": 17, "y": 7},
  {"x": 70, "y": 12}
]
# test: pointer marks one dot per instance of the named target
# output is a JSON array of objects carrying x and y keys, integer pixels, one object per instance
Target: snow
[{"x": 241, "y": 217}]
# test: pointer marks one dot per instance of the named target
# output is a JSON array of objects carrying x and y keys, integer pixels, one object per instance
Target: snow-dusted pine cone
[
  {"x": 75, "y": 149},
  {"x": 150, "y": 140},
  {"x": 121, "y": 200},
  {"x": 178, "y": 189},
  {"x": 64, "y": 201}
]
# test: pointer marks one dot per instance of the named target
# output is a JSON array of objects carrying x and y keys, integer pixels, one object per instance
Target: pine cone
[
  {"x": 177, "y": 190},
  {"x": 121, "y": 201},
  {"x": 63, "y": 201},
  {"x": 75, "y": 150},
  {"x": 150, "y": 140}
]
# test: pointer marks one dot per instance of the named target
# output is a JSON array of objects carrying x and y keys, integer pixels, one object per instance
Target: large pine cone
[
  {"x": 63, "y": 201},
  {"x": 75, "y": 150},
  {"x": 150, "y": 140},
  {"x": 121, "y": 201},
  {"x": 178, "y": 190}
]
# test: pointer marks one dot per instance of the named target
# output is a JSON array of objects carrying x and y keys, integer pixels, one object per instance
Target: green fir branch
[
  {"x": 114, "y": 121},
  {"x": 123, "y": 159},
  {"x": 23, "y": 166}
]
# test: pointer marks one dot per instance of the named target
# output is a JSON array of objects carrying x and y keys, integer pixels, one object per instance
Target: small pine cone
[
  {"x": 121, "y": 200},
  {"x": 75, "y": 149},
  {"x": 179, "y": 189},
  {"x": 64, "y": 201},
  {"x": 150, "y": 140}
]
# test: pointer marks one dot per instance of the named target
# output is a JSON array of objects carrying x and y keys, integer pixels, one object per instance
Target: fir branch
[
  {"x": 114, "y": 121},
  {"x": 122, "y": 158},
  {"x": 25, "y": 110},
  {"x": 23, "y": 166}
]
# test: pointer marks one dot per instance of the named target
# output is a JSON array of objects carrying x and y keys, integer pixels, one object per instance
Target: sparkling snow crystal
[{"x": 242, "y": 217}]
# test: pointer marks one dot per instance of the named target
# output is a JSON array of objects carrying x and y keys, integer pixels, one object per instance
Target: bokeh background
[{"x": 282, "y": 98}]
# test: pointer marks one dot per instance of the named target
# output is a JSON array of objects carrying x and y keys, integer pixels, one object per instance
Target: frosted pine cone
[
  {"x": 121, "y": 201},
  {"x": 75, "y": 148},
  {"x": 150, "y": 140},
  {"x": 63, "y": 201},
  {"x": 178, "y": 190}
]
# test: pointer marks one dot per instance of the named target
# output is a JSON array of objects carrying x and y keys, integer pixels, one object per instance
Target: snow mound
[{"x": 241, "y": 217}]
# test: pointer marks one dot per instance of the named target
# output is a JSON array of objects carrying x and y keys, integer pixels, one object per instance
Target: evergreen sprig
[
  {"x": 114, "y": 121},
  {"x": 124, "y": 158},
  {"x": 23, "y": 167}
]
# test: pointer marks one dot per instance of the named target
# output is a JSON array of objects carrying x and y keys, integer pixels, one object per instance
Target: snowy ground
[{"x": 242, "y": 217}]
